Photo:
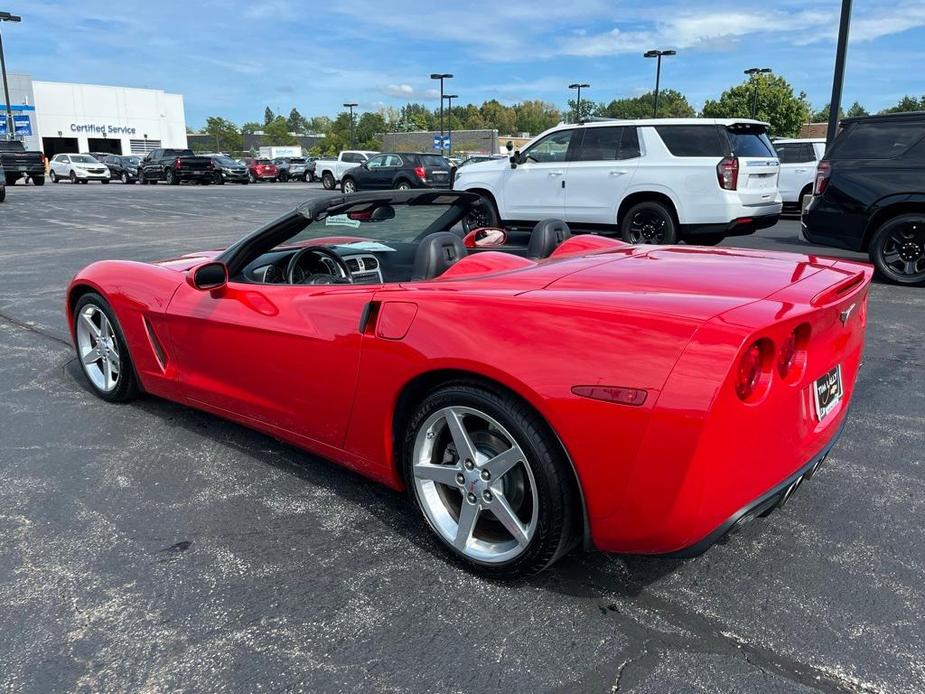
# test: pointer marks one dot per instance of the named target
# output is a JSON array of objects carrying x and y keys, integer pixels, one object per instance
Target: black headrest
[
  {"x": 546, "y": 237},
  {"x": 435, "y": 254}
]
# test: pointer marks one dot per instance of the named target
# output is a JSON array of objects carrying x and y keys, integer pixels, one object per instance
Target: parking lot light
[
  {"x": 752, "y": 72},
  {"x": 10, "y": 127},
  {"x": 658, "y": 72},
  {"x": 579, "y": 87},
  {"x": 352, "y": 106},
  {"x": 441, "y": 76},
  {"x": 449, "y": 124}
]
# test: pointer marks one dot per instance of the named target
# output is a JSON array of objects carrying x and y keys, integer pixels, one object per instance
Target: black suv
[
  {"x": 125, "y": 168},
  {"x": 175, "y": 165},
  {"x": 869, "y": 194},
  {"x": 399, "y": 170}
]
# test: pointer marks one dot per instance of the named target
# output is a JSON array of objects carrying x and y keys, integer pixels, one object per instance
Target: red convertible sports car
[{"x": 531, "y": 390}]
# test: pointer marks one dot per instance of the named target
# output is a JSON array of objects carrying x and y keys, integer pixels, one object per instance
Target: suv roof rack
[{"x": 597, "y": 119}]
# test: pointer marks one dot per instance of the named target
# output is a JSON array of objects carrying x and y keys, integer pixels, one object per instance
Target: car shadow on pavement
[{"x": 589, "y": 574}]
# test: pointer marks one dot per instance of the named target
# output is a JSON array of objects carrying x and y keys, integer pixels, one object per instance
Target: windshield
[
  {"x": 264, "y": 162},
  {"x": 133, "y": 161},
  {"x": 83, "y": 159},
  {"x": 226, "y": 161}
]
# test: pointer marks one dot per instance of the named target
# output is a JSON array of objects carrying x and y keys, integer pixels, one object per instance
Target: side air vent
[
  {"x": 353, "y": 264},
  {"x": 156, "y": 346}
]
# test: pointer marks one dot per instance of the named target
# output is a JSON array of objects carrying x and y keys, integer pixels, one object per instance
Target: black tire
[
  {"x": 251, "y": 177},
  {"x": 85, "y": 181},
  {"x": 897, "y": 249},
  {"x": 245, "y": 181},
  {"x": 38, "y": 180},
  {"x": 11, "y": 179},
  {"x": 327, "y": 181},
  {"x": 104, "y": 181},
  {"x": 171, "y": 178},
  {"x": 558, "y": 502},
  {"x": 649, "y": 222},
  {"x": 124, "y": 178},
  {"x": 403, "y": 185},
  {"x": 72, "y": 176},
  {"x": 141, "y": 177},
  {"x": 219, "y": 179},
  {"x": 284, "y": 176},
  {"x": 348, "y": 182},
  {"x": 484, "y": 214},
  {"x": 705, "y": 240},
  {"x": 127, "y": 387},
  {"x": 53, "y": 176},
  {"x": 3, "y": 192}
]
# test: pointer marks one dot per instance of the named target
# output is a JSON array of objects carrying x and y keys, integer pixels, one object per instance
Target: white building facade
[{"x": 61, "y": 117}]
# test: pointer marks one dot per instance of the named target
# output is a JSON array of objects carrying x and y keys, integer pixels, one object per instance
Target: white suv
[
  {"x": 651, "y": 181},
  {"x": 798, "y": 160}
]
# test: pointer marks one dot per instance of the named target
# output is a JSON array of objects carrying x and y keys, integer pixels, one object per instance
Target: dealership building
[{"x": 60, "y": 117}]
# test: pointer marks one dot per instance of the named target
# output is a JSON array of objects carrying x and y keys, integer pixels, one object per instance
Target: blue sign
[
  {"x": 441, "y": 142},
  {"x": 22, "y": 125}
]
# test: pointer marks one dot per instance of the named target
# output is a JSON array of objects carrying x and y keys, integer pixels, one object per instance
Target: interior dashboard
[{"x": 276, "y": 267}]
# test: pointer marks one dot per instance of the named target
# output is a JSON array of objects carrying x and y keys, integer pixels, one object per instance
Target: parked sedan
[
  {"x": 125, "y": 168},
  {"x": 228, "y": 170},
  {"x": 77, "y": 167},
  {"x": 262, "y": 170},
  {"x": 400, "y": 171}
]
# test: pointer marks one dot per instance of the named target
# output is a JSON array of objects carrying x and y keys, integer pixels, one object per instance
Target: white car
[
  {"x": 77, "y": 167},
  {"x": 330, "y": 171},
  {"x": 798, "y": 160},
  {"x": 650, "y": 181}
]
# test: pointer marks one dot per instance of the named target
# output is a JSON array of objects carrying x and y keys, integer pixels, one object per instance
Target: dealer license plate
[{"x": 827, "y": 392}]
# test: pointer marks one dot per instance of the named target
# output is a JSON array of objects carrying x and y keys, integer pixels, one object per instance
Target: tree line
[{"x": 776, "y": 103}]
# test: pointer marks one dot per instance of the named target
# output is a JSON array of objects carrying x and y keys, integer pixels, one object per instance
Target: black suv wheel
[{"x": 898, "y": 249}]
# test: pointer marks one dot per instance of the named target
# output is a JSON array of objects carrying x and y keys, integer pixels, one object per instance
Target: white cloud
[{"x": 399, "y": 90}]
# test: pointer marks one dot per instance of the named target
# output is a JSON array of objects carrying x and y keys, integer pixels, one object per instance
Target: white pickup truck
[{"x": 330, "y": 171}]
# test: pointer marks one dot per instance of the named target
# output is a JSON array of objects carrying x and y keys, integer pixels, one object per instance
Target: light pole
[
  {"x": 841, "y": 53},
  {"x": 352, "y": 130},
  {"x": 10, "y": 128},
  {"x": 658, "y": 72},
  {"x": 752, "y": 73},
  {"x": 579, "y": 86},
  {"x": 441, "y": 76},
  {"x": 449, "y": 124}
]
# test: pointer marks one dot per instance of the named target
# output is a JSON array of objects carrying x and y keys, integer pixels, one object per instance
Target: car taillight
[
  {"x": 420, "y": 172},
  {"x": 178, "y": 163},
  {"x": 792, "y": 354},
  {"x": 823, "y": 171},
  {"x": 752, "y": 374},
  {"x": 727, "y": 173}
]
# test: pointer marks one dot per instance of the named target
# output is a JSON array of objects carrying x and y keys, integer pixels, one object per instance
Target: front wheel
[
  {"x": 898, "y": 249},
  {"x": 102, "y": 351},
  {"x": 283, "y": 177},
  {"x": 327, "y": 181},
  {"x": 483, "y": 214},
  {"x": 73, "y": 177},
  {"x": 124, "y": 178},
  {"x": 348, "y": 186},
  {"x": 649, "y": 222},
  {"x": 53, "y": 176},
  {"x": 491, "y": 480},
  {"x": 171, "y": 178}
]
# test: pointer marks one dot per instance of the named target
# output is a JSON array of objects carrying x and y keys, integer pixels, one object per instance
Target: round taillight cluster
[{"x": 754, "y": 372}]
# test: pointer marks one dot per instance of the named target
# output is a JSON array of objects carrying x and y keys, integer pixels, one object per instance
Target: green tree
[
  {"x": 671, "y": 104},
  {"x": 414, "y": 117},
  {"x": 369, "y": 127},
  {"x": 777, "y": 104},
  {"x": 499, "y": 117},
  {"x": 276, "y": 133},
  {"x": 822, "y": 115},
  {"x": 856, "y": 110},
  {"x": 907, "y": 103},
  {"x": 535, "y": 116},
  {"x": 296, "y": 122},
  {"x": 225, "y": 135},
  {"x": 250, "y": 127},
  {"x": 318, "y": 124},
  {"x": 588, "y": 108},
  {"x": 268, "y": 116}
]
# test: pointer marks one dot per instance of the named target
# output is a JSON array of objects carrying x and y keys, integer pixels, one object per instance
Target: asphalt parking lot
[{"x": 151, "y": 547}]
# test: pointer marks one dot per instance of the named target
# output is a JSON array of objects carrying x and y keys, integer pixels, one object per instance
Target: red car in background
[
  {"x": 262, "y": 170},
  {"x": 531, "y": 390}
]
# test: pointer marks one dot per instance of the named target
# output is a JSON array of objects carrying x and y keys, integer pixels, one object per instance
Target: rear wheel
[
  {"x": 490, "y": 480},
  {"x": 124, "y": 178},
  {"x": 649, "y": 222},
  {"x": 284, "y": 176},
  {"x": 38, "y": 180},
  {"x": 403, "y": 185},
  {"x": 898, "y": 249},
  {"x": 2, "y": 192},
  {"x": 327, "y": 180},
  {"x": 11, "y": 179},
  {"x": 102, "y": 351}
]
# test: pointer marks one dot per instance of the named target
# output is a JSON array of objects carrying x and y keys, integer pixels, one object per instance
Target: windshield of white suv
[{"x": 83, "y": 159}]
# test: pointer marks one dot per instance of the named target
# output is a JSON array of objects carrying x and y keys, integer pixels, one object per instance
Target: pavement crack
[{"x": 33, "y": 329}]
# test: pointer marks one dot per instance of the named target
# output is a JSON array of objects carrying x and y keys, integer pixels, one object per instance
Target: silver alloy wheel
[
  {"x": 475, "y": 485},
  {"x": 404, "y": 186},
  {"x": 124, "y": 177},
  {"x": 349, "y": 186},
  {"x": 98, "y": 348}
]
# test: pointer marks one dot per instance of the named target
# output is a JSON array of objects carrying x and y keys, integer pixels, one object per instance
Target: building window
[{"x": 144, "y": 146}]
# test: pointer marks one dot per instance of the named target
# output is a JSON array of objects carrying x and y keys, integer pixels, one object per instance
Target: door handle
[
  {"x": 556, "y": 173},
  {"x": 801, "y": 170},
  {"x": 618, "y": 172}
]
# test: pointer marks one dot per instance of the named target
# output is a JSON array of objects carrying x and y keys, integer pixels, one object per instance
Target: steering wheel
[{"x": 318, "y": 278}]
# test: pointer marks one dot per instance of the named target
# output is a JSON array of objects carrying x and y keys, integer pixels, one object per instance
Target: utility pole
[
  {"x": 449, "y": 125},
  {"x": 841, "y": 54},
  {"x": 753, "y": 73},
  {"x": 579, "y": 86},
  {"x": 441, "y": 76},
  {"x": 10, "y": 127},
  {"x": 658, "y": 72},
  {"x": 352, "y": 127}
]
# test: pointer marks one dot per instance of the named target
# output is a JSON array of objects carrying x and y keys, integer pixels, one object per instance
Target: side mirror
[
  {"x": 515, "y": 159},
  {"x": 207, "y": 276},
  {"x": 485, "y": 237}
]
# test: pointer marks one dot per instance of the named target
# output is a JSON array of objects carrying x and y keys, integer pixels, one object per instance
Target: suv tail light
[
  {"x": 823, "y": 171},
  {"x": 727, "y": 173},
  {"x": 178, "y": 164},
  {"x": 420, "y": 172}
]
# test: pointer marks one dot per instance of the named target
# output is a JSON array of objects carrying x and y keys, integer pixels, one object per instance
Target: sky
[{"x": 231, "y": 58}]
